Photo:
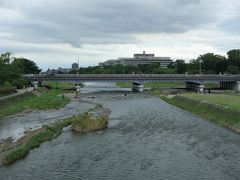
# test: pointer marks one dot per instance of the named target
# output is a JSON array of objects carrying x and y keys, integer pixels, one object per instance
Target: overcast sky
[{"x": 55, "y": 33}]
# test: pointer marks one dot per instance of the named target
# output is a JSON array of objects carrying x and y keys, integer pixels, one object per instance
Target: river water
[{"x": 146, "y": 139}]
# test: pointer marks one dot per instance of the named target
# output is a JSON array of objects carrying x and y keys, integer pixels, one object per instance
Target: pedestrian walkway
[{"x": 19, "y": 92}]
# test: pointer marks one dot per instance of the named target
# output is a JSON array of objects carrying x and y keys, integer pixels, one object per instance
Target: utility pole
[
  {"x": 78, "y": 67},
  {"x": 200, "y": 67}
]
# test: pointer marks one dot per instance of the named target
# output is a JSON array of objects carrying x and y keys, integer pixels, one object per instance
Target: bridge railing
[{"x": 133, "y": 77}]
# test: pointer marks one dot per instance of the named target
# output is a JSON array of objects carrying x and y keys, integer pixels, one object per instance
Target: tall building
[
  {"x": 139, "y": 59},
  {"x": 75, "y": 66}
]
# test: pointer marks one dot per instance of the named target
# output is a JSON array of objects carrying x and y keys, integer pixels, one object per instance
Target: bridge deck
[{"x": 133, "y": 77}]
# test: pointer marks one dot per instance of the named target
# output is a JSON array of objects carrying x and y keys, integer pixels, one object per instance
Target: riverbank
[
  {"x": 157, "y": 85},
  {"x": 58, "y": 85},
  {"x": 93, "y": 120},
  {"x": 45, "y": 99},
  {"x": 228, "y": 100},
  {"x": 222, "y": 115},
  {"x": 153, "y": 85}
]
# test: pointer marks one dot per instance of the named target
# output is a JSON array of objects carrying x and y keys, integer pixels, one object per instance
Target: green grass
[
  {"x": 212, "y": 85},
  {"x": 164, "y": 85},
  {"x": 2, "y": 95},
  {"x": 59, "y": 85},
  {"x": 232, "y": 101},
  {"x": 124, "y": 84},
  {"x": 226, "y": 117},
  {"x": 86, "y": 123},
  {"x": 153, "y": 85},
  {"x": 48, "y": 100}
]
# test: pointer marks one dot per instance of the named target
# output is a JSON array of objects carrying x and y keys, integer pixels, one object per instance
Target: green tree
[
  {"x": 181, "y": 66},
  {"x": 233, "y": 69},
  {"x": 234, "y": 57},
  {"x": 8, "y": 72},
  {"x": 27, "y": 66},
  {"x": 193, "y": 66},
  {"x": 212, "y": 63}
]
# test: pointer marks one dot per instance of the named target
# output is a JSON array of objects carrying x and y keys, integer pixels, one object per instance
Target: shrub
[
  {"x": 7, "y": 84},
  {"x": 20, "y": 83},
  {"x": 86, "y": 123},
  {"x": 7, "y": 90}
]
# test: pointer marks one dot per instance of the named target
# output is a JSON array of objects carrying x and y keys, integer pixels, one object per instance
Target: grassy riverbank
[
  {"x": 153, "y": 85},
  {"x": 164, "y": 85},
  {"x": 226, "y": 117},
  {"x": 47, "y": 133},
  {"x": 59, "y": 85},
  {"x": 124, "y": 84},
  {"x": 48, "y": 99},
  {"x": 232, "y": 101},
  {"x": 81, "y": 123}
]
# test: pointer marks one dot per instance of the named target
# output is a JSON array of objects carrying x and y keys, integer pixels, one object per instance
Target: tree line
[
  {"x": 209, "y": 63},
  {"x": 12, "y": 69}
]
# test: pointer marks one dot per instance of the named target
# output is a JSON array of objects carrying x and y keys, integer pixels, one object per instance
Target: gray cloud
[
  {"x": 79, "y": 22},
  {"x": 58, "y": 31}
]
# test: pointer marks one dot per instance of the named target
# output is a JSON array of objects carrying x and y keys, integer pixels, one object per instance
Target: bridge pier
[
  {"x": 195, "y": 86},
  {"x": 137, "y": 87},
  {"x": 233, "y": 85},
  {"x": 237, "y": 86},
  {"x": 35, "y": 85},
  {"x": 78, "y": 90}
]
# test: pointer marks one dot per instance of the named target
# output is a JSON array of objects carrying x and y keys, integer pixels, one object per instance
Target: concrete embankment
[{"x": 222, "y": 115}]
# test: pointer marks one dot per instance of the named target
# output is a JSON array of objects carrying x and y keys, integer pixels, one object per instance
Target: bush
[
  {"x": 7, "y": 90},
  {"x": 86, "y": 123},
  {"x": 7, "y": 84},
  {"x": 20, "y": 83}
]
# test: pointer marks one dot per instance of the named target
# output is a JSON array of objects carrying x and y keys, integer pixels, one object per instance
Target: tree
[
  {"x": 234, "y": 57},
  {"x": 193, "y": 66},
  {"x": 5, "y": 58},
  {"x": 221, "y": 65},
  {"x": 180, "y": 66},
  {"x": 233, "y": 69},
  {"x": 27, "y": 66},
  {"x": 11, "y": 69},
  {"x": 212, "y": 63},
  {"x": 8, "y": 72}
]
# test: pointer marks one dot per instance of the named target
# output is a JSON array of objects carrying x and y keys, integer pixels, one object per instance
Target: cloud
[
  {"x": 67, "y": 27},
  {"x": 107, "y": 21}
]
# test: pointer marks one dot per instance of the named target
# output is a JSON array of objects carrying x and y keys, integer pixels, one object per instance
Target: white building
[{"x": 138, "y": 59}]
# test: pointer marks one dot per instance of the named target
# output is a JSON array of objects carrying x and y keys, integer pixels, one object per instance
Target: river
[{"x": 146, "y": 139}]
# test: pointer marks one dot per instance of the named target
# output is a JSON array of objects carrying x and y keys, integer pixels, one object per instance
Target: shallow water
[
  {"x": 14, "y": 126},
  {"x": 146, "y": 139}
]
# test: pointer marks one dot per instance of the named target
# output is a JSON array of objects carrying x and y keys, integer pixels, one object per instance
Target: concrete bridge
[{"x": 195, "y": 82}]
